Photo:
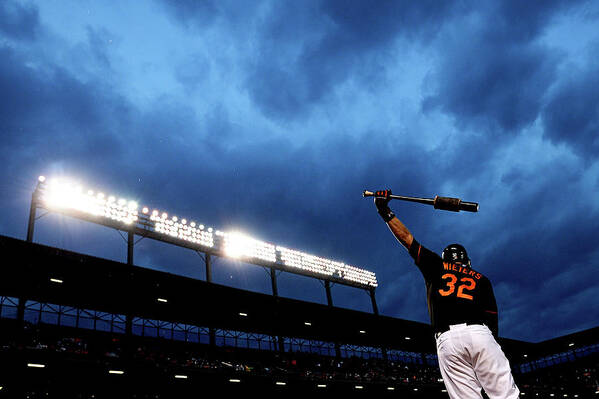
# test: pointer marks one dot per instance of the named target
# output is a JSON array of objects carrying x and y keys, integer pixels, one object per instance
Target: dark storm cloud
[
  {"x": 494, "y": 84},
  {"x": 47, "y": 109},
  {"x": 494, "y": 74},
  {"x": 303, "y": 50},
  {"x": 572, "y": 112},
  {"x": 343, "y": 43},
  {"x": 18, "y": 21}
]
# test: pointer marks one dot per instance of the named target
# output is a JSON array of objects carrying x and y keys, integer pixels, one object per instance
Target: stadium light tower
[{"x": 71, "y": 199}]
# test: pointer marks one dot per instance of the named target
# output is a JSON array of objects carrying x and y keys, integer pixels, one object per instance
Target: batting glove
[{"x": 381, "y": 200}]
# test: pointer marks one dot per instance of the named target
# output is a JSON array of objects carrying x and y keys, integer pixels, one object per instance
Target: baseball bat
[{"x": 443, "y": 203}]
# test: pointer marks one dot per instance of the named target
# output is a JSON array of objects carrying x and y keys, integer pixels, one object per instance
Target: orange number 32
[{"x": 468, "y": 285}]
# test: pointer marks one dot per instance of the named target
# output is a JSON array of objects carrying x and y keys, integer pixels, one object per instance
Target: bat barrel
[{"x": 469, "y": 206}]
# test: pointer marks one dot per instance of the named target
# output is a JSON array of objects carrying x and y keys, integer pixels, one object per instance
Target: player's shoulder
[{"x": 478, "y": 274}]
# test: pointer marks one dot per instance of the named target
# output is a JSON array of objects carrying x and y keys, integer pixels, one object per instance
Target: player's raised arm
[{"x": 399, "y": 230}]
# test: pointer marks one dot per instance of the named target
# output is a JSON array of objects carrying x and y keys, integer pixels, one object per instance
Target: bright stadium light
[
  {"x": 56, "y": 280},
  {"x": 237, "y": 245},
  {"x": 181, "y": 377},
  {"x": 73, "y": 199},
  {"x": 36, "y": 365},
  {"x": 321, "y": 386},
  {"x": 390, "y": 389},
  {"x": 280, "y": 383},
  {"x": 118, "y": 372},
  {"x": 234, "y": 380},
  {"x": 359, "y": 387}
]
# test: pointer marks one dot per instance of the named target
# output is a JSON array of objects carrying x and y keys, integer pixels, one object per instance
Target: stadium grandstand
[{"x": 78, "y": 326}]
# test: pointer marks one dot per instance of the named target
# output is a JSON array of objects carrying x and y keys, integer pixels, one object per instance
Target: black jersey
[{"x": 455, "y": 294}]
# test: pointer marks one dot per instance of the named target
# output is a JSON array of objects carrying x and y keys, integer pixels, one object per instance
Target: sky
[{"x": 272, "y": 117}]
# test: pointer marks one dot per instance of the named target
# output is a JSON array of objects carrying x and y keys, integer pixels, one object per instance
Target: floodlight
[
  {"x": 234, "y": 380},
  {"x": 182, "y": 377},
  {"x": 119, "y": 372},
  {"x": 66, "y": 196},
  {"x": 359, "y": 387},
  {"x": 390, "y": 389},
  {"x": 55, "y": 280},
  {"x": 321, "y": 386},
  {"x": 162, "y": 300},
  {"x": 280, "y": 383},
  {"x": 36, "y": 365}
]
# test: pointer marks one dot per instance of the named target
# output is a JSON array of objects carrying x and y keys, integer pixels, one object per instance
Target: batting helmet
[{"x": 455, "y": 253}]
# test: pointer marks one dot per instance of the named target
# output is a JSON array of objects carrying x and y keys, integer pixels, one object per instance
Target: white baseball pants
[{"x": 471, "y": 359}]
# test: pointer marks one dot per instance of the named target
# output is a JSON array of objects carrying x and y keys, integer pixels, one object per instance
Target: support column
[
  {"x": 211, "y": 330},
  {"x": 30, "y": 230},
  {"x": 130, "y": 244},
  {"x": 273, "y": 282},
  {"x": 129, "y": 315},
  {"x": 327, "y": 287},
  {"x": 375, "y": 309},
  {"x": 208, "y": 261},
  {"x": 31, "y": 225}
]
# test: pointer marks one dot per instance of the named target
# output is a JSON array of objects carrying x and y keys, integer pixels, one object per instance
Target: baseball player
[{"x": 463, "y": 313}]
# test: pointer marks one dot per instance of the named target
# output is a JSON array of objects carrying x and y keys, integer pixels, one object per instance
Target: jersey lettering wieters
[{"x": 455, "y": 294}]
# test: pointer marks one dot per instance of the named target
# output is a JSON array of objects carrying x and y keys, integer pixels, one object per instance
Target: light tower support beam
[
  {"x": 31, "y": 225},
  {"x": 130, "y": 245},
  {"x": 327, "y": 287},
  {"x": 375, "y": 308},
  {"x": 208, "y": 261},
  {"x": 273, "y": 282}
]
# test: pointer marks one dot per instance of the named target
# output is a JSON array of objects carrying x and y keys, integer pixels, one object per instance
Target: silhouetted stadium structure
[
  {"x": 64, "y": 333},
  {"x": 74, "y": 325}
]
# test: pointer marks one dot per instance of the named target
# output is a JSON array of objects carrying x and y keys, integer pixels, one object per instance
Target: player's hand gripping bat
[{"x": 444, "y": 203}]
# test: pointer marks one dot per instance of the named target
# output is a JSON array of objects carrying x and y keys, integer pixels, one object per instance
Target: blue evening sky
[{"x": 271, "y": 117}]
